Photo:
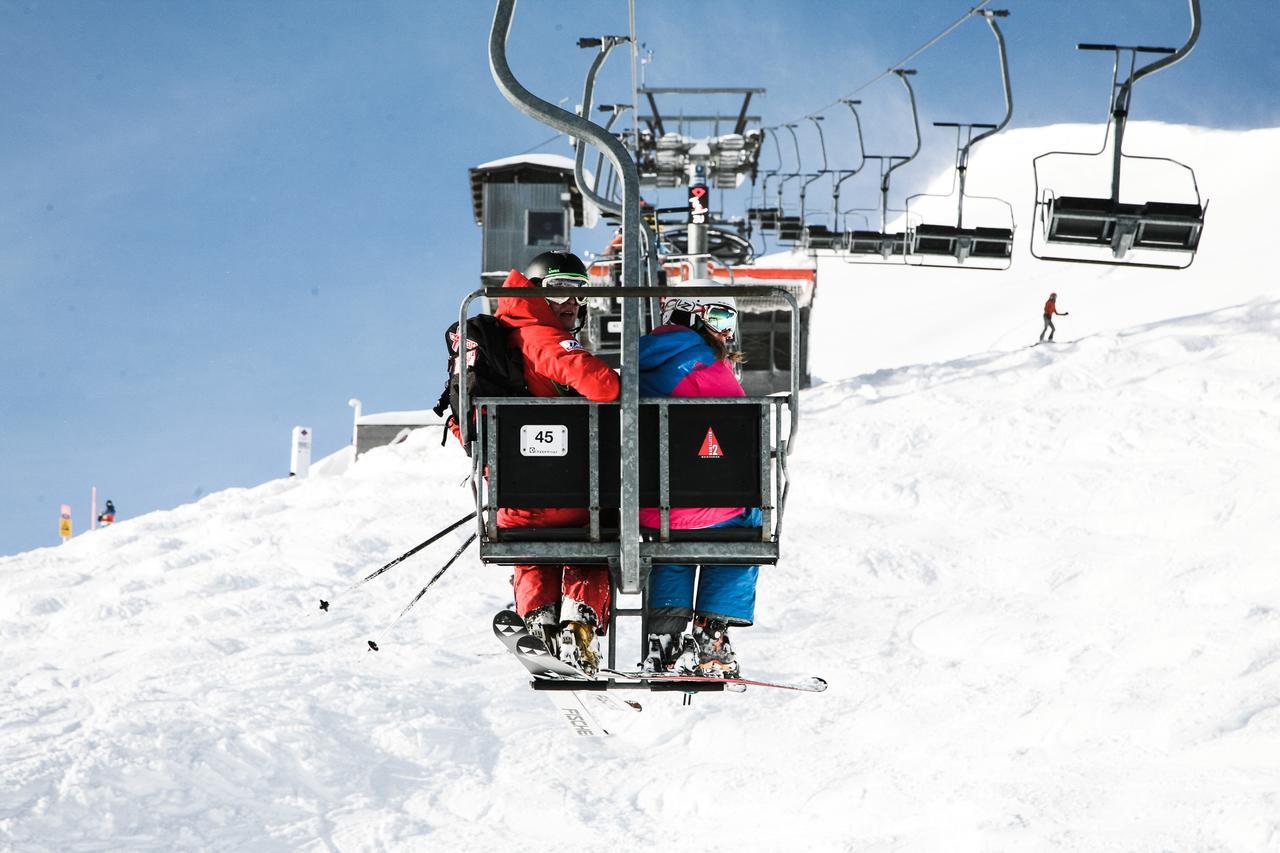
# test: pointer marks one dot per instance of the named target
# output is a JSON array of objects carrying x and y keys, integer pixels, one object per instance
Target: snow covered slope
[{"x": 1040, "y": 580}]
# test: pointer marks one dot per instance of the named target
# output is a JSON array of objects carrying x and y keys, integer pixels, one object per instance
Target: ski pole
[
  {"x": 373, "y": 644},
  {"x": 324, "y": 605}
]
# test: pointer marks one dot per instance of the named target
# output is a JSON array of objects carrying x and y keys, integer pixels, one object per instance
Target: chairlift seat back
[
  {"x": 790, "y": 228},
  {"x": 1096, "y": 221},
  {"x": 822, "y": 237},
  {"x": 714, "y": 456},
  {"x": 872, "y": 242},
  {"x": 765, "y": 217},
  {"x": 946, "y": 240}
]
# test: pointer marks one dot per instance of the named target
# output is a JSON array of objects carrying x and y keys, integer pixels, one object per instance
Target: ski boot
[
  {"x": 663, "y": 650},
  {"x": 715, "y": 654},
  {"x": 578, "y": 647},
  {"x": 542, "y": 623},
  {"x": 687, "y": 661}
]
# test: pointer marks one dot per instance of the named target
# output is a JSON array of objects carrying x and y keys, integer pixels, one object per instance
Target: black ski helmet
[{"x": 556, "y": 265}]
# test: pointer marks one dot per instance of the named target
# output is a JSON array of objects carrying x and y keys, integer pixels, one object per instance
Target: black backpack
[{"x": 492, "y": 369}]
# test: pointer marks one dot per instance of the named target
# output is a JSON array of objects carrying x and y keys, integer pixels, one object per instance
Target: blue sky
[{"x": 222, "y": 220}]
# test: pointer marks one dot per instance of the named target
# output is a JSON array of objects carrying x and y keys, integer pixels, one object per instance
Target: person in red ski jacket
[
  {"x": 565, "y": 606},
  {"x": 1050, "y": 309}
]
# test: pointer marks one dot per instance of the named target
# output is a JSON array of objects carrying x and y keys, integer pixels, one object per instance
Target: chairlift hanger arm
[
  {"x": 776, "y": 147},
  {"x": 786, "y": 176},
  {"x": 1170, "y": 56},
  {"x": 822, "y": 140},
  {"x": 795, "y": 141},
  {"x": 862, "y": 150},
  {"x": 625, "y": 166},
  {"x": 965, "y": 140},
  {"x": 570, "y": 123},
  {"x": 810, "y": 177},
  {"x": 963, "y": 159},
  {"x": 604, "y": 202},
  {"x": 741, "y": 124},
  {"x": 606, "y": 44},
  {"x": 615, "y": 111},
  {"x": 903, "y": 74},
  {"x": 764, "y": 185},
  {"x": 1122, "y": 92}
]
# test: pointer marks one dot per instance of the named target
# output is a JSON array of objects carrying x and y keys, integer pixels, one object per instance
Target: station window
[{"x": 545, "y": 228}]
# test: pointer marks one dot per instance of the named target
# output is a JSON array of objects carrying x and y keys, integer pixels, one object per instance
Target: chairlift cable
[
  {"x": 900, "y": 63},
  {"x": 546, "y": 141}
]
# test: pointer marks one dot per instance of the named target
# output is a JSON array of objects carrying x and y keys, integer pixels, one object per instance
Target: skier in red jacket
[
  {"x": 565, "y": 606},
  {"x": 1050, "y": 309}
]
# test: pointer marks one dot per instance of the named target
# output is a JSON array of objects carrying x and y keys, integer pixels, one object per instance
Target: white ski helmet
[{"x": 718, "y": 312}]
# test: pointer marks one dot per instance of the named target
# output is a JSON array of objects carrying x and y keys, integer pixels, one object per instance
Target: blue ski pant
[{"x": 725, "y": 592}]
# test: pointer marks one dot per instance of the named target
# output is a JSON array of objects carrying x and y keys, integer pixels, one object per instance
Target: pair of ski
[{"x": 546, "y": 667}]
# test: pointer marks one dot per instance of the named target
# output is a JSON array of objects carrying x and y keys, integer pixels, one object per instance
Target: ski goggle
[
  {"x": 565, "y": 281},
  {"x": 722, "y": 318}
]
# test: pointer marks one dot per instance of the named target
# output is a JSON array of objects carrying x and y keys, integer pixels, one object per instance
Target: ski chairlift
[
  {"x": 865, "y": 246},
  {"x": 790, "y": 227},
  {"x": 613, "y": 458},
  {"x": 764, "y": 218},
  {"x": 1109, "y": 230},
  {"x": 569, "y": 452},
  {"x": 990, "y": 248},
  {"x": 815, "y": 237},
  {"x": 767, "y": 218}
]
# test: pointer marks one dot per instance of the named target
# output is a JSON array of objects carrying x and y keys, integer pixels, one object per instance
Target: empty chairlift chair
[
  {"x": 883, "y": 246},
  {"x": 815, "y": 236},
  {"x": 1109, "y": 230},
  {"x": 985, "y": 247},
  {"x": 765, "y": 218},
  {"x": 790, "y": 226},
  {"x": 820, "y": 237}
]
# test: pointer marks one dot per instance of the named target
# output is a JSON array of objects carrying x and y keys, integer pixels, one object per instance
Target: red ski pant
[{"x": 539, "y": 586}]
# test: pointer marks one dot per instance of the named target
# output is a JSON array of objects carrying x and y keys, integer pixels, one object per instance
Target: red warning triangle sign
[{"x": 711, "y": 446}]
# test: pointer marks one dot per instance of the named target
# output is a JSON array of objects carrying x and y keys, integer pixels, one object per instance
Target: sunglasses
[{"x": 565, "y": 282}]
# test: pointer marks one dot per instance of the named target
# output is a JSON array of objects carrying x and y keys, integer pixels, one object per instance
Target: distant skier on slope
[
  {"x": 564, "y": 606},
  {"x": 108, "y": 515},
  {"x": 689, "y": 356},
  {"x": 1050, "y": 309}
]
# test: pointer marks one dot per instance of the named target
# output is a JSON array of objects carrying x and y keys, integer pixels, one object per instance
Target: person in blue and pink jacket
[{"x": 690, "y": 356}]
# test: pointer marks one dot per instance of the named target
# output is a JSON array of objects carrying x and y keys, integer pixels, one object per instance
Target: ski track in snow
[{"x": 1040, "y": 581}]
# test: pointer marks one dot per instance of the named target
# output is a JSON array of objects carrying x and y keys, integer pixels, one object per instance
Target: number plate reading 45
[{"x": 544, "y": 440}]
